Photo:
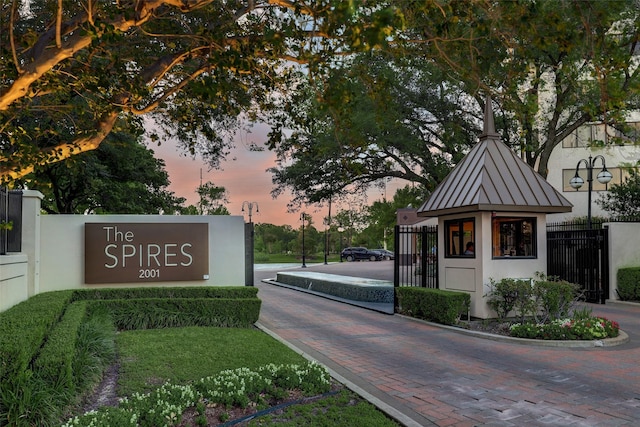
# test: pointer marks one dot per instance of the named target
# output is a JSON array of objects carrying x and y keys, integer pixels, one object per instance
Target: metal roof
[{"x": 491, "y": 177}]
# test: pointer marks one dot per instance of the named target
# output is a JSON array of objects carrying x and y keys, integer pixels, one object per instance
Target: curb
[
  {"x": 389, "y": 410},
  {"x": 622, "y": 338}
]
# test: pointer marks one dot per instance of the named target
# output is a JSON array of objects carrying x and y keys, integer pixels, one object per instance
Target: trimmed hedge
[
  {"x": 39, "y": 338},
  {"x": 186, "y": 292},
  {"x": 629, "y": 283},
  {"x": 434, "y": 305},
  {"x": 55, "y": 362},
  {"x": 24, "y": 327},
  {"x": 153, "y": 313}
]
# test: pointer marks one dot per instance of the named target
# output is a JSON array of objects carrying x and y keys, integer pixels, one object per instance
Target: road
[{"x": 426, "y": 375}]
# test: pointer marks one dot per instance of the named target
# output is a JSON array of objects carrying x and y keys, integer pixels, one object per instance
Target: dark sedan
[
  {"x": 385, "y": 253},
  {"x": 359, "y": 254}
]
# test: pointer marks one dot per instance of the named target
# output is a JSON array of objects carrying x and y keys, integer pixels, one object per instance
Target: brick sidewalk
[{"x": 439, "y": 377}]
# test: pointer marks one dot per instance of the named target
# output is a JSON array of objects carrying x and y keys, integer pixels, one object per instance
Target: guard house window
[
  {"x": 459, "y": 233},
  {"x": 514, "y": 237}
]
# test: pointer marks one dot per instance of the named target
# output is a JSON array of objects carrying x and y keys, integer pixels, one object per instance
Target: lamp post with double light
[
  {"x": 249, "y": 242},
  {"x": 250, "y": 206},
  {"x": 603, "y": 178}
]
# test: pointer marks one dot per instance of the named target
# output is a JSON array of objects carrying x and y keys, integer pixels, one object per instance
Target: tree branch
[
  {"x": 64, "y": 150},
  {"x": 12, "y": 39}
]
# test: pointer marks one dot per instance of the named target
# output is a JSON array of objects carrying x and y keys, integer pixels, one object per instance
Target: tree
[
  {"x": 413, "y": 110},
  {"x": 400, "y": 119},
  {"x": 71, "y": 70},
  {"x": 212, "y": 199},
  {"x": 382, "y": 215},
  {"x": 551, "y": 65},
  {"x": 120, "y": 177},
  {"x": 274, "y": 239},
  {"x": 622, "y": 201}
]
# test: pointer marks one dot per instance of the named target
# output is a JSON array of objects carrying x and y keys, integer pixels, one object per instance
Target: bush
[
  {"x": 55, "y": 346},
  {"x": 544, "y": 301},
  {"x": 567, "y": 329},
  {"x": 629, "y": 284},
  {"x": 152, "y": 313},
  {"x": 434, "y": 305},
  {"x": 554, "y": 299},
  {"x": 511, "y": 295},
  {"x": 24, "y": 327},
  {"x": 55, "y": 362},
  {"x": 186, "y": 292}
]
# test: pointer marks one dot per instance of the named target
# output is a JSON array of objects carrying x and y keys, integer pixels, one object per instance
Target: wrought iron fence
[
  {"x": 416, "y": 261},
  {"x": 580, "y": 256},
  {"x": 10, "y": 221}
]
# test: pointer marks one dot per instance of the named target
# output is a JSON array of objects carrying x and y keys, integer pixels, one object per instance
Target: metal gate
[
  {"x": 416, "y": 260},
  {"x": 580, "y": 256},
  {"x": 11, "y": 220}
]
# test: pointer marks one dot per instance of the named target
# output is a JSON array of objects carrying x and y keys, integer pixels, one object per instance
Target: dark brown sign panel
[{"x": 134, "y": 252}]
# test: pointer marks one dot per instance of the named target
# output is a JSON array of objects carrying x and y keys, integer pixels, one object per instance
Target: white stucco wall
[
  {"x": 62, "y": 249},
  {"x": 623, "y": 251},
  {"x": 13, "y": 280}
]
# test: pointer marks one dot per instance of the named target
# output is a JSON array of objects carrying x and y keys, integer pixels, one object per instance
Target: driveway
[{"x": 426, "y": 375}]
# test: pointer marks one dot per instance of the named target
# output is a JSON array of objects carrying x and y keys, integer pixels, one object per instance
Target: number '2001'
[{"x": 149, "y": 273}]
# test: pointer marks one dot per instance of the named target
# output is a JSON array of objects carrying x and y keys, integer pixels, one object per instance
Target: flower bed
[{"x": 592, "y": 328}]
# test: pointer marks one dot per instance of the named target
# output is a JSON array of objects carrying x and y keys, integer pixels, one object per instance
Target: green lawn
[{"x": 150, "y": 358}]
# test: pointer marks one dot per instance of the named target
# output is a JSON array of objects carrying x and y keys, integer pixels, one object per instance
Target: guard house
[{"x": 491, "y": 212}]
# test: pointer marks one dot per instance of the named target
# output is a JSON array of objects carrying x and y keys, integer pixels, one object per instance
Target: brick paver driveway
[{"x": 439, "y": 377}]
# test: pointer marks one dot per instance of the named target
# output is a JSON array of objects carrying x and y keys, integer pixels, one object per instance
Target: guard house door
[
  {"x": 416, "y": 259},
  {"x": 581, "y": 257}
]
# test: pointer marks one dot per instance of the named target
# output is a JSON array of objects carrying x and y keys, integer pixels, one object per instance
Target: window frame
[
  {"x": 499, "y": 246},
  {"x": 461, "y": 242}
]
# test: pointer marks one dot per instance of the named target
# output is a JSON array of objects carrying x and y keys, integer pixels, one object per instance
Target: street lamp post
[
  {"x": 603, "y": 178},
  {"x": 303, "y": 217},
  {"x": 249, "y": 243},
  {"x": 340, "y": 230},
  {"x": 250, "y": 206}
]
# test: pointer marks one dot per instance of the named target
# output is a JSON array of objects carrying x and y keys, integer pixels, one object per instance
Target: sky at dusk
[{"x": 244, "y": 175}]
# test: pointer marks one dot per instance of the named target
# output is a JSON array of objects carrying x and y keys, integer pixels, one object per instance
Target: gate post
[
  {"x": 396, "y": 267},
  {"x": 31, "y": 202}
]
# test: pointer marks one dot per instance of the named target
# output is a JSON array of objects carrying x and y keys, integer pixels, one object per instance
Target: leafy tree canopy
[
  {"x": 397, "y": 120},
  {"x": 212, "y": 199},
  {"x": 69, "y": 70},
  {"x": 412, "y": 110},
  {"x": 622, "y": 201},
  {"x": 121, "y": 176},
  {"x": 551, "y": 65}
]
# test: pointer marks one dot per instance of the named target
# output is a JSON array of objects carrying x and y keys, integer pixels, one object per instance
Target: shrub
[
  {"x": 567, "y": 329},
  {"x": 629, "y": 284},
  {"x": 510, "y": 295},
  {"x": 152, "y": 313},
  {"x": 434, "y": 305},
  {"x": 23, "y": 329},
  {"x": 554, "y": 299},
  {"x": 544, "y": 301},
  {"x": 95, "y": 350},
  {"x": 54, "y": 365},
  {"x": 55, "y": 346},
  {"x": 186, "y": 292}
]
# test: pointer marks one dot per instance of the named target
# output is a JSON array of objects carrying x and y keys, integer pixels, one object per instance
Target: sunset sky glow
[{"x": 244, "y": 175}]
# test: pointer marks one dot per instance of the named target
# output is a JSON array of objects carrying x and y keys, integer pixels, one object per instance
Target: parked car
[
  {"x": 386, "y": 254},
  {"x": 359, "y": 253}
]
